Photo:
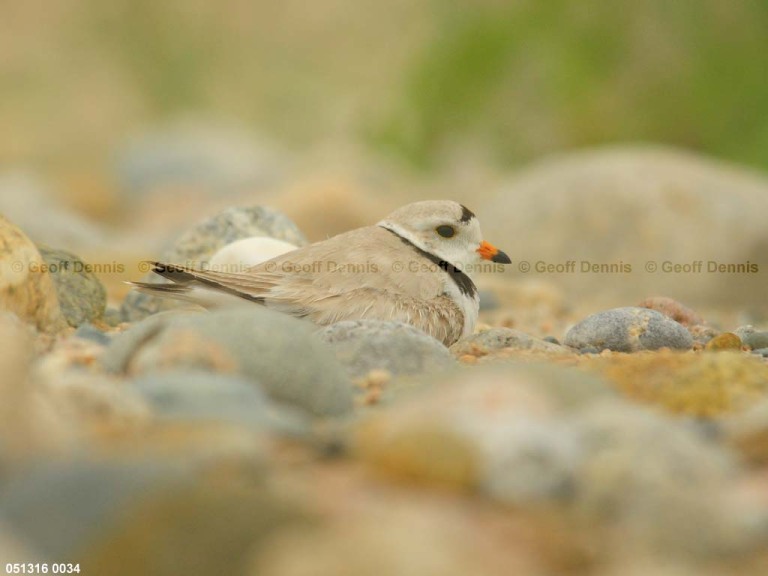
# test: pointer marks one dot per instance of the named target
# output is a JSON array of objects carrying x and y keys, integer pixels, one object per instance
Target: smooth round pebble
[
  {"x": 755, "y": 339},
  {"x": 362, "y": 346},
  {"x": 724, "y": 341},
  {"x": 273, "y": 350},
  {"x": 188, "y": 395},
  {"x": 628, "y": 329}
]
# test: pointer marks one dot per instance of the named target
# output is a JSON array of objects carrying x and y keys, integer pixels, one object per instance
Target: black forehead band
[{"x": 466, "y": 214}]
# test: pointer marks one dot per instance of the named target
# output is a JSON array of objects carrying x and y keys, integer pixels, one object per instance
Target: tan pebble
[
  {"x": 468, "y": 359},
  {"x": 26, "y": 288}
]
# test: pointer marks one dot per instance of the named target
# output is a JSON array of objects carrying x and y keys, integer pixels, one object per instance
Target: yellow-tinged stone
[
  {"x": 724, "y": 341},
  {"x": 687, "y": 383},
  {"x": 26, "y": 289}
]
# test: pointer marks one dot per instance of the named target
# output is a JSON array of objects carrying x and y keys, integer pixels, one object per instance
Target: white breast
[{"x": 469, "y": 305}]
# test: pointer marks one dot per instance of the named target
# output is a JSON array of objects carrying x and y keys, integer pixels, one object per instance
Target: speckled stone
[
  {"x": 25, "y": 288},
  {"x": 629, "y": 330},
  {"x": 276, "y": 351},
  {"x": 196, "y": 246},
  {"x": 366, "y": 345},
  {"x": 82, "y": 296}
]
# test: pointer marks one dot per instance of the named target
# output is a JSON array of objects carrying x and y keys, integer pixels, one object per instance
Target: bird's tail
[{"x": 188, "y": 284}]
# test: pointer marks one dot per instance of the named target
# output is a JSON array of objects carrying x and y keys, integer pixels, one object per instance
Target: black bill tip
[{"x": 501, "y": 258}]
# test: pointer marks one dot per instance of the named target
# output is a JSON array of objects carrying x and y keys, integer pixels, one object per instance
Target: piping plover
[{"x": 412, "y": 267}]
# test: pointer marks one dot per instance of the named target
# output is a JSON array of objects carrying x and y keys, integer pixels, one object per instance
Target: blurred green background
[{"x": 415, "y": 81}]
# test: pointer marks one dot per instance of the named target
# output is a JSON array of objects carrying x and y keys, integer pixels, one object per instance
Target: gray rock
[
  {"x": 628, "y": 330},
  {"x": 744, "y": 331},
  {"x": 274, "y": 350},
  {"x": 501, "y": 338},
  {"x": 752, "y": 337},
  {"x": 761, "y": 351},
  {"x": 216, "y": 397},
  {"x": 365, "y": 345},
  {"x": 632, "y": 204},
  {"x": 82, "y": 296},
  {"x": 196, "y": 246}
]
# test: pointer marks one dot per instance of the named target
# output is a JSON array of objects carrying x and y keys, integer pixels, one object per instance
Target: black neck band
[{"x": 462, "y": 281}]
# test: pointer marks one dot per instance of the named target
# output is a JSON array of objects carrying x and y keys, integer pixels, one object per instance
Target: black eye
[{"x": 446, "y": 231}]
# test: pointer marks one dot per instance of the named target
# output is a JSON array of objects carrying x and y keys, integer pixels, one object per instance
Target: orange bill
[{"x": 488, "y": 251}]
